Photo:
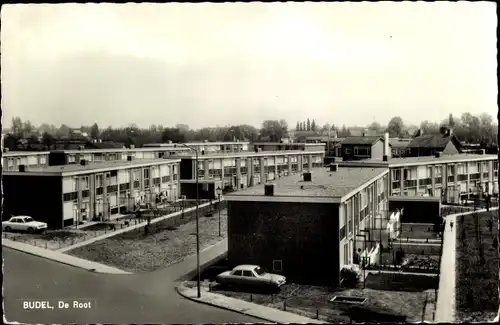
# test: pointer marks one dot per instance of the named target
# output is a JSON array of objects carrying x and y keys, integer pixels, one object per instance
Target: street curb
[
  {"x": 65, "y": 262},
  {"x": 181, "y": 287}
]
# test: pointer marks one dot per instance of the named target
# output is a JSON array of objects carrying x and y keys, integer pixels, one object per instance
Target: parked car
[
  {"x": 250, "y": 275},
  {"x": 23, "y": 223}
]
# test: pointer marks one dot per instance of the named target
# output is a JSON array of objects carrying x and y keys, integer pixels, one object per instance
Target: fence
[
  {"x": 58, "y": 239},
  {"x": 312, "y": 302}
]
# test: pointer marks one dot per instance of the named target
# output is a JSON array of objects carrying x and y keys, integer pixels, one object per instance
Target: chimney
[
  {"x": 386, "y": 146},
  {"x": 334, "y": 167},
  {"x": 438, "y": 154},
  {"x": 22, "y": 168},
  {"x": 269, "y": 189},
  {"x": 482, "y": 151},
  {"x": 169, "y": 141},
  {"x": 307, "y": 176},
  {"x": 205, "y": 141},
  {"x": 132, "y": 146},
  {"x": 83, "y": 162}
]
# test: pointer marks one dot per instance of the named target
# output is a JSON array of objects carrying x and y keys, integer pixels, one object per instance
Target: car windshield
[
  {"x": 28, "y": 219},
  {"x": 259, "y": 271}
]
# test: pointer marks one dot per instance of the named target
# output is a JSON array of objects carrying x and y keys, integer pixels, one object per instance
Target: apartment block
[
  {"x": 245, "y": 169},
  {"x": 451, "y": 177},
  {"x": 307, "y": 226},
  {"x": 69, "y": 194}
]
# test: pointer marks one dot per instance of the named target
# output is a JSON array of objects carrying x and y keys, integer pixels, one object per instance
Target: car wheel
[
  {"x": 7, "y": 229},
  {"x": 31, "y": 230}
]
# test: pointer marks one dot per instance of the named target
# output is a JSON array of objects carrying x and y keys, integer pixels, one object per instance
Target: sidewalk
[
  {"x": 129, "y": 228},
  {"x": 186, "y": 268},
  {"x": 61, "y": 258},
  {"x": 243, "y": 307},
  {"x": 445, "y": 306}
]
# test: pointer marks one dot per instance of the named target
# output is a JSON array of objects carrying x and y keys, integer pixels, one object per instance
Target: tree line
[
  {"x": 46, "y": 136},
  {"x": 481, "y": 129}
]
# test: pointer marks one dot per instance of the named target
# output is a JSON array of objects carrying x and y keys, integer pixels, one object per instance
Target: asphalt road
[{"x": 118, "y": 299}]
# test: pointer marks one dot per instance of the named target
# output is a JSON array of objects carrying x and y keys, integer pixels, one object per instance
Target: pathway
[{"x": 445, "y": 307}]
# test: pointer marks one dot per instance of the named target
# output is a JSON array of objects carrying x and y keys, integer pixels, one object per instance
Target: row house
[
  {"x": 241, "y": 170},
  {"x": 451, "y": 177},
  {"x": 70, "y": 194},
  {"x": 207, "y": 147}
]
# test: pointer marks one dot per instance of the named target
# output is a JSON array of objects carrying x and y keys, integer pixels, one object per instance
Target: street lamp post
[
  {"x": 198, "y": 277},
  {"x": 219, "y": 192}
]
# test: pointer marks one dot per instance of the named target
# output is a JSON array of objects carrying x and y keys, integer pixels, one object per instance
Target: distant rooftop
[
  {"x": 361, "y": 140},
  {"x": 324, "y": 183},
  {"x": 218, "y": 143},
  {"x": 92, "y": 166},
  {"x": 287, "y": 143},
  {"x": 408, "y": 161},
  {"x": 264, "y": 153}
]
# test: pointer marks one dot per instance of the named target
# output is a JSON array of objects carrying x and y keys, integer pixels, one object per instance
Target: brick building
[{"x": 307, "y": 226}]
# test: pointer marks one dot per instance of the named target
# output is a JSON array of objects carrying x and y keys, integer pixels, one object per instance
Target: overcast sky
[{"x": 209, "y": 64}]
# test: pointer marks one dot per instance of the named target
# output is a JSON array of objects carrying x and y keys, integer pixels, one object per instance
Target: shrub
[{"x": 351, "y": 275}]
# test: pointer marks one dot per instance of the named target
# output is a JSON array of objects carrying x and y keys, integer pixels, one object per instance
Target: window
[
  {"x": 259, "y": 271},
  {"x": 146, "y": 173},
  {"x": 277, "y": 265},
  {"x": 98, "y": 180},
  {"x": 85, "y": 184},
  {"x": 237, "y": 272},
  {"x": 248, "y": 273},
  {"x": 347, "y": 151},
  {"x": 396, "y": 175},
  {"x": 124, "y": 186},
  {"x": 342, "y": 233},
  {"x": 346, "y": 253},
  {"x": 70, "y": 196}
]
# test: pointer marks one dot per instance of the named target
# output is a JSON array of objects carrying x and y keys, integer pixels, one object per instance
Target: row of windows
[
  {"x": 459, "y": 169},
  {"x": 114, "y": 188}
]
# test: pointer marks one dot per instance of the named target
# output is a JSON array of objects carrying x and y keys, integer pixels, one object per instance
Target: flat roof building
[
  {"x": 305, "y": 226},
  {"x": 69, "y": 194},
  {"x": 451, "y": 177}
]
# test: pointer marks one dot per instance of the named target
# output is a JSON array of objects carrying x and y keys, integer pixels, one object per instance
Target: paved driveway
[{"x": 125, "y": 299}]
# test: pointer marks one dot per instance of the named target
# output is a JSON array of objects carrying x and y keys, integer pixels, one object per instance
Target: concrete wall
[
  {"x": 378, "y": 150},
  {"x": 304, "y": 236},
  {"x": 416, "y": 211},
  {"x": 28, "y": 195}
]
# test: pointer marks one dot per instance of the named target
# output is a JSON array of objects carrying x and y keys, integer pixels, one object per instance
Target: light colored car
[
  {"x": 250, "y": 275},
  {"x": 23, "y": 223}
]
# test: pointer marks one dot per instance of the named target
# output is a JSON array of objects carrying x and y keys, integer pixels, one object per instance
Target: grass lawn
[
  {"x": 477, "y": 268},
  {"x": 313, "y": 301},
  {"x": 134, "y": 251}
]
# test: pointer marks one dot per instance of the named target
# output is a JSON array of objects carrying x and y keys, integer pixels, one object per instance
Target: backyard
[
  {"x": 167, "y": 242},
  {"x": 314, "y": 301},
  {"x": 477, "y": 267},
  {"x": 417, "y": 231}
]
